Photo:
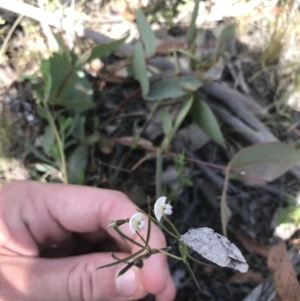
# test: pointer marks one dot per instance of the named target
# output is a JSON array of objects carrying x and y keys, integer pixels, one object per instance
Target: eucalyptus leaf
[
  {"x": 190, "y": 83},
  {"x": 146, "y": 32},
  {"x": 77, "y": 163},
  {"x": 206, "y": 120},
  {"x": 139, "y": 67},
  {"x": 169, "y": 85},
  {"x": 264, "y": 162}
]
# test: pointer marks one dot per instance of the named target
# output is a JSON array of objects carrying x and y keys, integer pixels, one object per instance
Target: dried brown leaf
[
  {"x": 285, "y": 280},
  {"x": 253, "y": 245}
]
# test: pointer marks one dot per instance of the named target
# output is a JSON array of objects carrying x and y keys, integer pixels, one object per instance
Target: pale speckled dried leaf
[{"x": 215, "y": 247}]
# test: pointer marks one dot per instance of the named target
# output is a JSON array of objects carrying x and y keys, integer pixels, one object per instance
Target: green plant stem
[
  {"x": 128, "y": 238},
  {"x": 173, "y": 227},
  {"x": 160, "y": 224},
  {"x": 59, "y": 144},
  {"x": 168, "y": 254}
]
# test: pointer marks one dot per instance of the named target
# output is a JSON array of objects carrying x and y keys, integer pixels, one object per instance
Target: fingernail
[{"x": 127, "y": 284}]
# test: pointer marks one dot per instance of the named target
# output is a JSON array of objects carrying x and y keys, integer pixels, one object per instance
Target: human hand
[{"x": 35, "y": 215}]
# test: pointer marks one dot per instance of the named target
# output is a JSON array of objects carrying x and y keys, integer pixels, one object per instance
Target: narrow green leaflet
[
  {"x": 76, "y": 105},
  {"x": 45, "y": 168},
  {"x": 42, "y": 112},
  {"x": 139, "y": 67},
  {"x": 123, "y": 260},
  {"x": 206, "y": 120},
  {"x": 264, "y": 162},
  {"x": 38, "y": 154},
  {"x": 77, "y": 163},
  {"x": 185, "y": 108},
  {"x": 165, "y": 120},
  {"x": 182, "y": 113},
  {"x": 192, "y": 27},
  {"x": 99, "y": 51},
  {"x": 48, "y": 140},
  {"x": 146, "y": 32}
]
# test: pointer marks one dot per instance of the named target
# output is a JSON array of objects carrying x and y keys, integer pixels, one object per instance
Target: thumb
[{"x": 68, "y": 279}]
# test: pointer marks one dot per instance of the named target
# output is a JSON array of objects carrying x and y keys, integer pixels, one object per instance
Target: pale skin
[{"x": 35, "y": 215}]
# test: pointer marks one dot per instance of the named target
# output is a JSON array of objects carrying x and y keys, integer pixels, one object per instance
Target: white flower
[
  {"x": 161, "y": 208},
  {"x": 136, "y": 222}
]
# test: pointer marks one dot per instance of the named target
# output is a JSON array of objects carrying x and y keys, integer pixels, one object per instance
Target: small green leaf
[
  {"x": 185, "y": 108},
  {"x": 140, "y": 70},
  {"x": 75, "y": 123},
  {"x": 38, "y": 154},
  {"x": 166, "y": 120},
  {"x": 48, "y": 140},
  {"x": 183, "y": 250},
  {"x": 60, "y": 43},
  {"x": 223, "y": 34},
  {"x": 45, "y": 168},
  {"x": 183, "y": 111},
  {"x": 206, "y": 120},
  {"x": 146, "y": 32},
  {"x": 99, "y": 51},
  {"x": 61, "y": 74},
  {"x": 79, "y": 131},
  {"x": 264, "y": 162},
  {"x": 191, "y": 29},
  {"x": 42, "y": 112},
  {"x": 77, "y": 163}
]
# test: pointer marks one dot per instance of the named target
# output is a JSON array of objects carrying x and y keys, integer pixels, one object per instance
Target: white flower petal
[
  {"x": 135, "y": 221},
  {"x": 159, "y": 207},
  {"x": 142, "y": 224},
  {"x": 168, "y": 209}
]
